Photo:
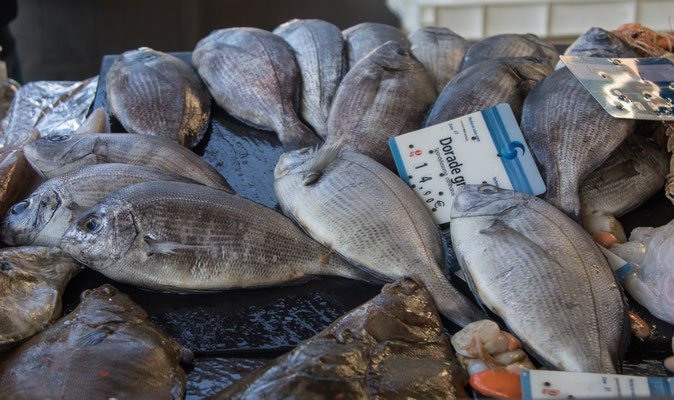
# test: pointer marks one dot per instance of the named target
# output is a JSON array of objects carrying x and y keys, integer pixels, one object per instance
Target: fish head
[
  {"x": 484, "y": 199},
  {"x": 49, "y": 154},
  {"x": 598, "y": 42},
  {"x": 393, "y": 57},
  {"x": 102, "y": 235},
  {"x": 27, "y": 218},
  {"x": 293, "y": 162}
]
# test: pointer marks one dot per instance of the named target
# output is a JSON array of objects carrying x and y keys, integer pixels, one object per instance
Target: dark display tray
[{"x": 236, "y": 331}]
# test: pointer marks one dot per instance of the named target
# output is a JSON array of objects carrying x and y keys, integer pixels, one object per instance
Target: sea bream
[
  {"x": 440, "y": 51},
  {"x": 361, "y": 39},
  {"x": 510, "y": 45},
  {"x": 364, "y": 212},
  {"x": 543, "y": 275},
  {"x": 181, "y": 237}
]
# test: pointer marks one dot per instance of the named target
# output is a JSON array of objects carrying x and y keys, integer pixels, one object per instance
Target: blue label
[{"x": 398, "y": 160}]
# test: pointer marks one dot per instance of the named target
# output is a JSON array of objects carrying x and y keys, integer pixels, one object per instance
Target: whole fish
[
  {"x": 16, "y": 175},
  {"x": 319, "y": 50},
  {"x": 155, "y": 93},
  {"x": 106, "y": 348},
  {"x": 43, "y": 217},
  {"x": 570, "y": 134},
  {"x": 361, "y": 39},
  {"x": 492, "y": 82},
  {"x": 629, "y": 177},
  {"x": 55, "y": 155},
  {"x": 440, "y": 51},
  {"x": 387, "y": 94},
  {"x": 368, "y": 215},
  {"x": 544, "y": 275},
  {"x": 32, "y": 280},
  {"x": 599, "y": 43},
  {"x": 392, "y": 346},
  {"x": 252, "y": 74},
  {"x": 510, "y": 45},
  {"x": 97, "y": 122},
  {"x": 180, "y": 237}
]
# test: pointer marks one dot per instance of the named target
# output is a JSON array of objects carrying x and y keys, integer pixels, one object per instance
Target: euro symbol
[{"x": 512, "y": 150}]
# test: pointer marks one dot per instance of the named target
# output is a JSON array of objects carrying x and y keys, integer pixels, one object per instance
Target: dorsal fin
[{"x": 322, "y": 157}]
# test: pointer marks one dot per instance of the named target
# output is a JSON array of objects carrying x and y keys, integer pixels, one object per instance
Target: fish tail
[
  {"x": 450, "y": 302},
  {"x": 335, "y": 265},
  {"x": 563, "y": 194},
  {"x": 294, "y": 135}
]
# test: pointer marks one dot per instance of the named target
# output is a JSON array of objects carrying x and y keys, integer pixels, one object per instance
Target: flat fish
[
  {"x": 16, "y": 175},
  {"x": 544, "y": 275},
  {"x": 570, "y": 134},
  {"x": 510, "y": 45},
  {"x": 440, "y": 51},
  {"x": 42, "y": 218},
  {"x": 106, "y": 348},
  {"x": 393, "y": 346},
  {"x": 361, "y": 39},
  {"x": 386, "y": 94},
  {"x": 484, "y": 85},
  {"x": 319, "y": 50},
  {"x": 364, "y": 212},
  {"x": 253, "y": 75},
  {"x": 55, "y": 155},
  {"x": 155, "y": 93},
  {"x": 180, "y": 237},
  {"x": 32, "y": 281}
]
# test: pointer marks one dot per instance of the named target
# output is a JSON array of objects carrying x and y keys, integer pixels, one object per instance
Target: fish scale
[
  {"x": 440, "y": 51},
  {"x": 361, "y": 39},
  {"x": 559, "y": 296},
  {"x": 510, "y": 45},
  {"x": 155, "y": 233}
]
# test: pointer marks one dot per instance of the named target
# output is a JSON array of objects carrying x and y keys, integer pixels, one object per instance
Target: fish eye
[
  {"x": 58, "y": 138},
  {"x": 19, "y": 207},
  {"x": 601, "y": 36},
  {"x": 402, "y": 51},
  {"x": 304, "y": 150},
  {"x": 486, "y": 189},
  {"x": 5, "y": 266},
  {"x": 92, "y": 224}
]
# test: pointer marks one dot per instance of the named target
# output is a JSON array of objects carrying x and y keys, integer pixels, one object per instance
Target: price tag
[
  {"x": 540, "y": 384},
  {"x": 485, "y": 146},
  {"x": 636, "y": 88}
]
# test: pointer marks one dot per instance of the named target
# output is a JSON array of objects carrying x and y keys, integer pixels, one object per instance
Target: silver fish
[
  {"x": 629, "y": 177},
  {"x": 599, "y": 43},
  {"x": 387, "y": 94},
  {"x": 43, "y": 217},
  {"x": 570, "y": 134},
  {"x": 544, "y": 275},
  {"x": 319, "y": 50},
  {"x": 361, "y": 39},
  {"x": 32, "y": 280},
  {"x": 492, "y": 82},
  {"x": 155, "y": 93},
  {"x": 440, "y": 51},
  {"x": 97, "y": 122},
  {"x": 106, "y": 348},
  {"x": 252, "y": 74},
  {"x": 367, "y": 214},
  {"x": 180, "y": 237},
  {"x": 510, "y": 45},
  {"x": 55, "y": 155}
]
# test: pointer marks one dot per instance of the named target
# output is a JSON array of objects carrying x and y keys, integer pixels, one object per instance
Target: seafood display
[
  {"x": 268, "y": 277},
  {"x": 155, "y": 93}
]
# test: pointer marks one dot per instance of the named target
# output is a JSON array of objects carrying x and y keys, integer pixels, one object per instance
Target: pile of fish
[{"x": 143, "y": 209}]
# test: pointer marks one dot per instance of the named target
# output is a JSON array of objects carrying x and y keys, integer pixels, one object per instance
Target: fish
[
  {"x": 180, "y": 238},
  {"x": 368, "y": 215},
  {"x": 598, "y": 42},
  {"x": 319, "y": 50},
  {"x": 56, "y": 155},
  {"x": 392, "y": 346},
  {"x": 32, "y": 281},
  {"x": 510, "y": 45},
  {"x": 42, "y": 218},
  {"x": 97, "y": 122},
  {"x": 440, "y": 50},
  {"x": 361, "y": 39},
  {"x": 155, "y": 93},
  {"x": 16, "y": 175},
  {"x": 253, "y": 75},
  {"x": 106, "y": 348},
  {"x": 570, "y": 134},
  {"x": 486, "y": 84},
  {"x": 387, "y": 94},
  {"x": 543, "y": 275},
  {"x": 630, "y": 176}
]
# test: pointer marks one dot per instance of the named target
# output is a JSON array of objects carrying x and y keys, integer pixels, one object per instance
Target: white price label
[{"x": 485, "y": 146}]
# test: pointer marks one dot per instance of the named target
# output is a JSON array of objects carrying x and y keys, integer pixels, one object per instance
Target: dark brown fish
[
  {"x": 16, "y": 175},
  {"x": 361, "y": 39},
  {"x": 393, "y": 346},
  {"x": 253, "y": 75},
  {"x": 440, "y": 51},
  {"x": 155, "y": 93},
  {"x": 510, "y": 45},
  {"x": 106, "y": 348}
]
